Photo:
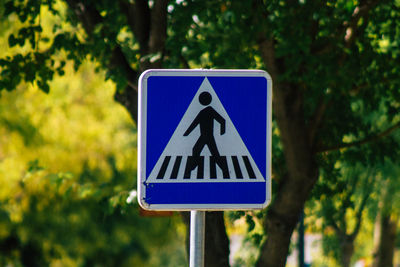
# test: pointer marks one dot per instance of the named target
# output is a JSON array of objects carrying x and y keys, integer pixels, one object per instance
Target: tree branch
[
  {"x": 349, "y": 33},
  {"x": 149, "y": 27},
  {"x": 364, "y": 141},
  {"x": 352, "y": 30},
  {"x": 138, "y": 18},
  {"x": 158, "y": 31},
  {"x": 317, "y": 117},
  {"x": 87, "y": 15},
  {"x": 335, "y": 227},
  {"x": 367, "y": 192},
  {"x": 129, "y": 99},
  {"x": 90, "y": 18},
  {"x": 359, "y": 215}
]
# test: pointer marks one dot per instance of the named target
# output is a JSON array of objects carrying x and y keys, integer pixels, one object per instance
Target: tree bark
[
  {"x": 216, "y": 251},
  {"x": 295, "y": 187},
  {"x": 217, "y": 242},
  {"x": 386, "y": 241},
  {"x": 346, "y": 250},
  {"x": 281, "y": 220}
]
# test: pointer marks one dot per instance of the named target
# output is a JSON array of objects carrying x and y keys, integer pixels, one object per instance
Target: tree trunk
[
  {"x": 293, "y": 191},
  {"x": 386, "y": 241},
  {"x": 281, "y": 220},
  {"x": 216, "y": 251},
  {"x": 346, "y": 251},
  {"x": 302, "y": 171}
]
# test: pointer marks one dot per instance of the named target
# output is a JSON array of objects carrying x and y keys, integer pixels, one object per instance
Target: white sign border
[{"x": 142, "y": 128}]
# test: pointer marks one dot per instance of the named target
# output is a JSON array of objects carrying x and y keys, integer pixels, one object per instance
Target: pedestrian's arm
[
  {"x": 192, "y": 126},
  {"x": 221, "y": 121}
]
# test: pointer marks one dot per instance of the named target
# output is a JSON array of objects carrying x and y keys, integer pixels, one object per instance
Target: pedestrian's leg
[
  {"x": 220, "y": 160},
  {"x": 195, "y": 160},
  {"x": 212, "y": 146},
  {"x": 198, "y": 147}
]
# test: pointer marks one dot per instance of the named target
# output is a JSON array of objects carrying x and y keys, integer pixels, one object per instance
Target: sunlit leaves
[{"x": 68, "y": 162}]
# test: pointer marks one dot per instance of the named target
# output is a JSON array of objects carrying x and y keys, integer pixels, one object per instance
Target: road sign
[{"x": 204, "y": 139}]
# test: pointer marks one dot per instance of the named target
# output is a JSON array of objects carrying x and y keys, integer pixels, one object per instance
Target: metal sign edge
[{"x": 142, "y": 109}]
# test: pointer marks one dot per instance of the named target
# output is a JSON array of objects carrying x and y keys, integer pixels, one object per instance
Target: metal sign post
[{"x": 197, "y": 233}]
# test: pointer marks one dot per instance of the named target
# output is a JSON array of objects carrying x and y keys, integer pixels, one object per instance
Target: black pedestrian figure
[{"x": 205, "y": 119}]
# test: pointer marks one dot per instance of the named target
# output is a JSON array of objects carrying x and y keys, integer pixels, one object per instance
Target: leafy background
[{"x": 68, "y": 155}]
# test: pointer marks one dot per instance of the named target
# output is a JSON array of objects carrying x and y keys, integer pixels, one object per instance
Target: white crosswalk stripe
[{"x": 205, "y": 169}]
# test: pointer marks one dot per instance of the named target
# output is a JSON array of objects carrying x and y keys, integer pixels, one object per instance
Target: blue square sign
[{"x": 204, "y": 139}]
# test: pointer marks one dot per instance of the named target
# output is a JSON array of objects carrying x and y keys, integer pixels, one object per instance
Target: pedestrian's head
[{"x": 205, "y": 98}]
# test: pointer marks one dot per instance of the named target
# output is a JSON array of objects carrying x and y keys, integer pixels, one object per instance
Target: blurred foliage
[
  {"x": 246, "y": 231},
  {"x": 72, "y": 153},
  {"x": 67, "y": 167},
  {"x": 353, "y": 185}
]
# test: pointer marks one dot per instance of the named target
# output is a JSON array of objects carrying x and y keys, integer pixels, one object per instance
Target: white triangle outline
[{"x": 178, "y": 145}]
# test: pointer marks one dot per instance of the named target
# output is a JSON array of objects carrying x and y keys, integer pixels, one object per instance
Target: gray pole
[{"x": 197, "y": 226}]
